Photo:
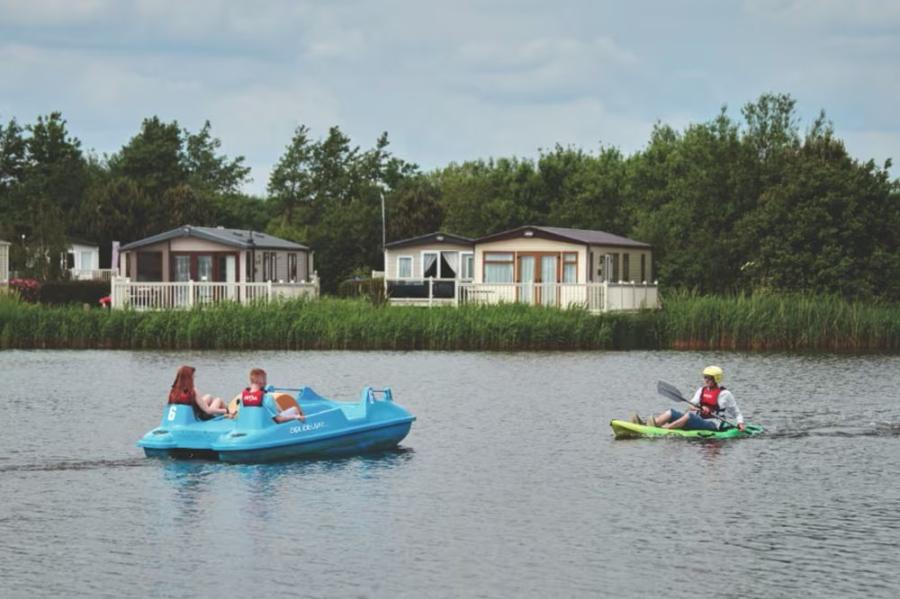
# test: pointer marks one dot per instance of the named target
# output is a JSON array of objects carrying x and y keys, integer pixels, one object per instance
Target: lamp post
[
  {"x": 24, "y": 256},
  {"x": 383, "y": 221}
]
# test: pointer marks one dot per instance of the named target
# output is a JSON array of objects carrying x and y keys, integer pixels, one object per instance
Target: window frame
[
  {"x": 564, "y": 260},
  {"x": 491, "y": 258},
  {"x": 437, "y": 263},
  {"x": 463, "y": 258},
  {"x": 411, "y": 261}
]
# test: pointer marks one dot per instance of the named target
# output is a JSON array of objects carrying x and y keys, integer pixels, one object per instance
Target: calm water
[{"x": 509, "y": 484}]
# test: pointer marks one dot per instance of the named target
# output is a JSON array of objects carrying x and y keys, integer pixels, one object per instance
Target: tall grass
[
  {"x": 323, "y": 324},
  {"x": 782, "y": 322},
  {"x": 687, "y": 321}
]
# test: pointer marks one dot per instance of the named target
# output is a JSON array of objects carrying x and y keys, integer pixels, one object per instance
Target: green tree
[
  {"x": 152, "y": 158},
  {"x": 585, "y": 191},
  {"x": 831, "y": 225},
  {"x": 687, "y": 191},
  {"x": 290, "y": 183},
  {"x": 208, "y": 171},
  {"x": 413, "y": 208}
]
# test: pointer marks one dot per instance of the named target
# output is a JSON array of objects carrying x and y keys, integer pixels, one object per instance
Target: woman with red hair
[{"x": 184, "y": 392}]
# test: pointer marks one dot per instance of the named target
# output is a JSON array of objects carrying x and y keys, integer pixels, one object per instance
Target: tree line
[{"x": 729, "y": 205}]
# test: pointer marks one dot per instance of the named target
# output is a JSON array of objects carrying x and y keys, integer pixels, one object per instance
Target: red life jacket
[
  {"x": 709, "y": 398},
  {"x": 188, "y": 398},
  {"x": 252, "y": 398}
]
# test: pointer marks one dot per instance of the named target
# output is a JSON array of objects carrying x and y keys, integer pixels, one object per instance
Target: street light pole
[{"x": 383, "y": 223}]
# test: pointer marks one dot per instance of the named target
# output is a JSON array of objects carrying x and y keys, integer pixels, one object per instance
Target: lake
[{"x": 509, "y": 485}]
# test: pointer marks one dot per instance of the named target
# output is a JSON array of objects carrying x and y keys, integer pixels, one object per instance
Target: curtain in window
[
  {"x": 498, "y": 272},
  {"x": 548, "y": 276},
  {"x": 404, "y": 268},
  {"x": 526, "y": 277},
  {"x": 451, "y": 260},
  {"x": 430, "y": 269}
]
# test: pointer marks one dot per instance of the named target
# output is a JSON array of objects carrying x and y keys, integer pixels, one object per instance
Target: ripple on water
[{"x": 509, "y": 485}]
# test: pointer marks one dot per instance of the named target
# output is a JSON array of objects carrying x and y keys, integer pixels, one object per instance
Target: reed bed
[
  {"x": 779, "y": 322},
  {"x": 687, "y": 321},
  {"x": 323, "y": 324}
]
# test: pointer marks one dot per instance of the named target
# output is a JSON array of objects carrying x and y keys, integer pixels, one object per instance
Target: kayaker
[
  {"x": 183, "y": 391},
  {"x": 711, "y": 400},
  {"x": 255, "y": 395}
]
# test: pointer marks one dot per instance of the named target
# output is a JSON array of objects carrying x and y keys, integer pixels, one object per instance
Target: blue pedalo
[{"x": 331, "y": 429}]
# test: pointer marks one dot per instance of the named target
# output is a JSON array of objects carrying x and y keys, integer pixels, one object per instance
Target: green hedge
[{"x": 60, "y": 293}]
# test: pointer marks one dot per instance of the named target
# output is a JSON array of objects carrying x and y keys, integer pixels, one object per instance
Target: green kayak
[{"x": 629, "y": 430}]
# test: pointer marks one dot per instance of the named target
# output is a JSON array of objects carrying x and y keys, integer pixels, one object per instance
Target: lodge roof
[
  {"x": 586, "y": 236},
  {"x": 431, "y": 238},
  {"x": 239, "y": 238}
]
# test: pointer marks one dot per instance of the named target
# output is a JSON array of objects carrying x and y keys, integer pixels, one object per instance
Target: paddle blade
[{"x": 669, "y": 391}]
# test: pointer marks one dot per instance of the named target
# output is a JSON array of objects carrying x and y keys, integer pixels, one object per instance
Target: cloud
[
  {"x": 447, "y": 81},
  {"x": 830, "y": 14},
  {"x": 51, "y": 12}
]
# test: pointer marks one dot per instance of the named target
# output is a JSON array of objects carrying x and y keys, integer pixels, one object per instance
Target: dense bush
[{"x": 73, "y": 292}]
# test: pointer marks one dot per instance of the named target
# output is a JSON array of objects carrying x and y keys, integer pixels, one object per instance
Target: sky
[{"x": 448, "y": 81}]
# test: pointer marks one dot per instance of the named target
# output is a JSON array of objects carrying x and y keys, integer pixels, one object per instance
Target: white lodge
[
  {"x": 551, "y": 266},
  {"x": 191, "y": 265}
]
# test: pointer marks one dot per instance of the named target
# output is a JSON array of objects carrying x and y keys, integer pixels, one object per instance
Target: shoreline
[{"x": 687, "y": 322}]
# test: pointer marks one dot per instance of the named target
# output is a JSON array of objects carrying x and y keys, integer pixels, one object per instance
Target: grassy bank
[
  {"x": 324, "y": 324},
  {"x": 779, "y": 322},
  {"x": 686, "y": 322}
]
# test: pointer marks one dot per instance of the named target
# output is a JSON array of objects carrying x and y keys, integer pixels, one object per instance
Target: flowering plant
[{"x": 29, "y": 289}]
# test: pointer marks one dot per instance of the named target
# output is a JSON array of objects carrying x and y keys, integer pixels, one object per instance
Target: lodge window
[
  {"x": 404, "y": 267},
  {"x": 643, "y": 268},
  {"x": 270, "y": 265},
  {"x": 149, "y": 266},
  {"x": 614, "y": 275},
  {"x": 570, "y": 267},
  {"x": 292, "y": 267},
  {"x": 498, "y": 267},
  {"x": 468, "y": 266},
  {"x": 626, "y": 267}
]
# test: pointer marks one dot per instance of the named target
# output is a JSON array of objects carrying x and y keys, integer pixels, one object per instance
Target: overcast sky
[{"x": 449, "y": 81}]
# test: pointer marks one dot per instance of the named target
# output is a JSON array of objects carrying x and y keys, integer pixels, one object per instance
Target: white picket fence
[
  {"x": 167, "y": 296},
  {"x": 595, "y": 297}
]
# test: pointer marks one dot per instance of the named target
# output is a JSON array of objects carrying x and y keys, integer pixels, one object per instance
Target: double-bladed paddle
[{"x": 674, "y": 394}]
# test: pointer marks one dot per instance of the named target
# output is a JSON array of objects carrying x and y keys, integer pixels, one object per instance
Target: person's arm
[
  {"x": 732, "y": 411},
  {"x": 695, "y": 400}
]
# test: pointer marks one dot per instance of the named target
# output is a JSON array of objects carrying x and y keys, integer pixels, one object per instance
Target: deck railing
[
  {"x": 139, "y": 295},
  {"x": 595, "y": 297},
  {"x": 97, "y": 274},
  {"x": 428, "y": 291}
]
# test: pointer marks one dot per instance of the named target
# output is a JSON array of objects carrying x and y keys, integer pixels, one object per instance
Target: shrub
[
  {"x": 28, "y": 289},
  {"x": 73, "y": 292},
  {"x": 370, "y": 289}
]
